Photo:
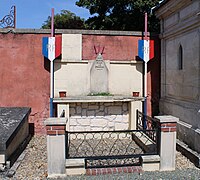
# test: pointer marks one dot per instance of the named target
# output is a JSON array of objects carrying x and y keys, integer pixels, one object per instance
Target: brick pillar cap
[
  {"x": 167, "y": 119},
  {"x": 55, "y": 121}
]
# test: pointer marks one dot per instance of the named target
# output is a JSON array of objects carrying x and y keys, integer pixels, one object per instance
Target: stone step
[{"x": 75, "y": 167}]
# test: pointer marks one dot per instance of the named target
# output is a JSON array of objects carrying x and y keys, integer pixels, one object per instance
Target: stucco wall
[
  {"x": 115, "y": 47},
  {"x": 24, "y": 76},
  {"x": 74, "y": 78}
]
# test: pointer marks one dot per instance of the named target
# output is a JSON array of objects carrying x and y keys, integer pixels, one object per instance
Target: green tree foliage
[
  {"x": 65, "y": 20},
  {"x": 120, "y": 14}
]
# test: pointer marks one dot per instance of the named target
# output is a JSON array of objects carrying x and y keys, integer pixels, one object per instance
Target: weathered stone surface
[
  {"x": 99, "y": 122},
  {"x": 84, "y": 112},
  {"x": 125, "y": 106},
  {"x": 114, "y": 110},
  {"x": 84, "y": 105},
  {"x": 111, "y": 117},
  {"x": 92, "y": 117},
  {"x": 121, "y": 126},
  {"x": 78, "y": 110},
  {"x": 94, "y": 107},
  {"x": 125, "y": 117},
  {"x": 72, "y": 111},
  {"x": 96, "y": 129},
  {"x": 100, "y": 113},
  {"x": 73, "y": 121},
  {"x": 72, "y": 105},
  {"x": 119, "y": 118},
  {"x": 84, "y": 122},
  {"x": 111, "y": 124},
  {"x": 99, "y": 76},
  {"x": 11, "y": 120},
  {"x": 79, "y": 128},
  {"x": 101, "y": 108},
  {"x": 91, "y": 113}
]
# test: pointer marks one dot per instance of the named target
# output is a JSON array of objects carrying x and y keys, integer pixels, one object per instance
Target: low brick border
[{"x": 113, "y": 170}]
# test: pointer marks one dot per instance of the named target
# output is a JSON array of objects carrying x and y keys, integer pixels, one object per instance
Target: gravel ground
[{"x": 34, "y": 167}]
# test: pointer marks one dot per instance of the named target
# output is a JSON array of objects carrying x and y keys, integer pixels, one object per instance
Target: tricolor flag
[
  {"x": 51, "y": 47},
  {"x": 146, "y": 49}
]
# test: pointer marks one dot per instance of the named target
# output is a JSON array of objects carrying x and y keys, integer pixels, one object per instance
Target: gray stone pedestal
[
  {"x": 56, "y": 147},
  {"x": 167, "y": 142}
]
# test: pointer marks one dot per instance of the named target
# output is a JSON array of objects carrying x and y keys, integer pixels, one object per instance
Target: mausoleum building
[{"x": 180, "y": 66}]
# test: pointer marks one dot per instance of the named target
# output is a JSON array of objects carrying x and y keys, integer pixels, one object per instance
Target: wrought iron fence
[
  {"x": 9, "y": 21},
  {"x": 145, "y": 122},
  {"x": 106, "y": 148}
]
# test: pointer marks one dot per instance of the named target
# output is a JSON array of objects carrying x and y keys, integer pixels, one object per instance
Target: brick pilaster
[
  {"x": 55, "y": 130},
  {"x": 168, "y": 127},
  {"x": 167, "y": 142}
]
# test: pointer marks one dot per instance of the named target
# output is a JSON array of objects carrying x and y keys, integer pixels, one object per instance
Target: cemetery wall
[{"x": 24, "y": 76}]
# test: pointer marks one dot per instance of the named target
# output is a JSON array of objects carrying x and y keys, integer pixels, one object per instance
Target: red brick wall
[{"x": 24, "y": 81}]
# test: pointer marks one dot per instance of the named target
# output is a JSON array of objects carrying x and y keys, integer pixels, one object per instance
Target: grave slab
[{"x": 14, "y": 130}]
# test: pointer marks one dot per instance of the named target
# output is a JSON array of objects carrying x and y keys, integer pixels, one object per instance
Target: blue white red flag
[
  {"x": 146, "y": 49},
  {"x": 51, "y": 47}
]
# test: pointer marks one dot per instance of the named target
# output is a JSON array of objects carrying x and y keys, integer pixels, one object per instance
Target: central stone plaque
[{"x": 99, "y": 76}]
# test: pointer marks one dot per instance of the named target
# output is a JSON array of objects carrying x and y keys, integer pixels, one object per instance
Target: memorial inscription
[{"x": 99, "y": 76}]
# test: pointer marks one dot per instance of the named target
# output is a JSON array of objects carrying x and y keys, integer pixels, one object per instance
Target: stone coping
[
  {"x": 166, "y": 119},
  {"x": 71, "y": 31},
  {"x": 55, "y": 121},
  {"x": 85, "y": 99},
  {"x": 111, "y": 61},
  {"x": 150, "y": 158},
  {"x": 11, "y": 120},
  {"x": 75, "y": 162}
]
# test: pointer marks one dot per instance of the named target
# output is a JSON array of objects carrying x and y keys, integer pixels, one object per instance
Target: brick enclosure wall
[
  {"x": 24, "y": 76},
  {"x": 99, "y": 116}
]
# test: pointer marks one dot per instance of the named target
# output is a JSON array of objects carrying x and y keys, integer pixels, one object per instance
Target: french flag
[
  {"x": 146, "y": 49},
  {"x": 51, "y": 47}
]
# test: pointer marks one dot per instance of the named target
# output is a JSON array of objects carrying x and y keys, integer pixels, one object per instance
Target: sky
[{"x": 33, "y": 13}]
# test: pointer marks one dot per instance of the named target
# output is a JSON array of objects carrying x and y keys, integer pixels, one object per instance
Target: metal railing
[
  {"x": 106, "y": 148},
  {"x": 145, "y": 122}
]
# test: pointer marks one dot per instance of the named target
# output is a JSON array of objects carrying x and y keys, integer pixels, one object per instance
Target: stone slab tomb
[{"x": 14, "y": 131}]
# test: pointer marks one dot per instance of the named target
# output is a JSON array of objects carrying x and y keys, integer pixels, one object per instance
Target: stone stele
[{"x": 99, "y": 76}]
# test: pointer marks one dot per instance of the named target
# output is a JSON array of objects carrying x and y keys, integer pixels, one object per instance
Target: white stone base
[
  {"x": 150, "y": 163},
  {"x": 2, "y": 159},
  {"x": 75, "y": 167}
]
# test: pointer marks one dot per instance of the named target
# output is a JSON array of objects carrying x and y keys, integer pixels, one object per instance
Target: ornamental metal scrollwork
[
  {"x": 9, "y": 21},
  {"x": 109, "y": 148}
]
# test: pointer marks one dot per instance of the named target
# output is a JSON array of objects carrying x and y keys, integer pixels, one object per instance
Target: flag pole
[
  {"x": 52, "y": 67},
  {"x": 145, "y": 74}
]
